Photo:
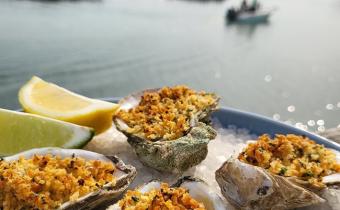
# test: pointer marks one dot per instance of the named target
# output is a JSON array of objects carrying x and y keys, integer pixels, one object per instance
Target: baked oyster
[
  {"x": 286, "y": 172},
  {"x": 168, "y": 127},
  {"x": 186, "y": 193},
  {"x": 62, "y": 179}
]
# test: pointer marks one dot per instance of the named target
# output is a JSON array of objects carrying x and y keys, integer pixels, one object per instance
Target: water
[{"x": 287, "y": 69}]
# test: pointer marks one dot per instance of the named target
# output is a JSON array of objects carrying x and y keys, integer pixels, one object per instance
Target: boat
[
  {"x": 249, "y": 17},
  {"x": 250, "y": 14}
]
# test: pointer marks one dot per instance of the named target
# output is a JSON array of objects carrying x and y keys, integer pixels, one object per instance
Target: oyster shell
[
  {"x": 197, "y": 190},
  {"x": 175, "y": 155},
  {"x": 124, "y": 176},
  {"x": 251, "y": 187}
]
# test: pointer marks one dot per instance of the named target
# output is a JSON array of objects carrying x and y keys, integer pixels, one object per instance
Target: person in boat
[
  {"x": 244, "y": 6},
  {"x": 254, "y": 6},
  {"x": 232, "y": 14}
]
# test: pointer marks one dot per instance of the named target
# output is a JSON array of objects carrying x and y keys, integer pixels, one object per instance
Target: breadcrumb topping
[
  {"x": 292, "y": 155},
  {"x": 165, "y": 198},
  {"x": 166, "y": 114},
  {"x": 46, "y": 181}
]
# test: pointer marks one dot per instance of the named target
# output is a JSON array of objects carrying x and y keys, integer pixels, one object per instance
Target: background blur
[{"x": 288, "y": 68}]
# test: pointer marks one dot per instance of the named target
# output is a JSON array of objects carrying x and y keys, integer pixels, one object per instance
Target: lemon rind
[{"x": 29, "y": 106}]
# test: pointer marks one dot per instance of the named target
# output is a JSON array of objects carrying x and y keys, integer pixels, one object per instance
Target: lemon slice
[
  {"x": 43, "y": 98},
  {"x": 22, "y": 131}
]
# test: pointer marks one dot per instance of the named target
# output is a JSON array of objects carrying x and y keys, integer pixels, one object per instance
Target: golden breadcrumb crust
[
  {"x": 165, "y": 198},
  {"x": 46, "y": 181},
  {"x": 166, "y": 114},
  {"x": 292, "y": 155}
]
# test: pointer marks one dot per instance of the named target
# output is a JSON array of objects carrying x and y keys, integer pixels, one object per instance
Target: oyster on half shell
[
  {"x": 124, "y": 175},
  {"x": 284, "y": 172},
  {"x": 176, "y": 155},
  {"x": 198, "y": 190},
  {"x": 252, "y": 187}
]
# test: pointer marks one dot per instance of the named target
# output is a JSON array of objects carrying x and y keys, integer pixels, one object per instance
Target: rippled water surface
[{"x": 288, "y": 69}]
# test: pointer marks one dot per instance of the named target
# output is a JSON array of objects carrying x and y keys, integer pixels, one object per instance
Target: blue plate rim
[{"x": 319, "y": 139}]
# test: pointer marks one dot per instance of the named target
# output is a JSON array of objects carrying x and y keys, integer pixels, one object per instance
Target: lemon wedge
[
  {"x": 47, "y": 99},
  {"x": 22, "y": 131}
]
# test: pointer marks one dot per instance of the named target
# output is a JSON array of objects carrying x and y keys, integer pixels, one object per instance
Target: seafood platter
[{"x": 167, "y": 148}]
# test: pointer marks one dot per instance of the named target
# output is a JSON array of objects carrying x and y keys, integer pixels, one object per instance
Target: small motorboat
[
  {"x": 248, "y": 14},
  {"x": 251, "y": 17}
]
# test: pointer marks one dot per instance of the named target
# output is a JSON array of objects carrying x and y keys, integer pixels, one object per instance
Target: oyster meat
[
  {"x": 123, "y": 175},
  {"x": 197, "y": 189},
  {"x": 247, "y": 186},
  {"x": 168, "y": 127}
]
